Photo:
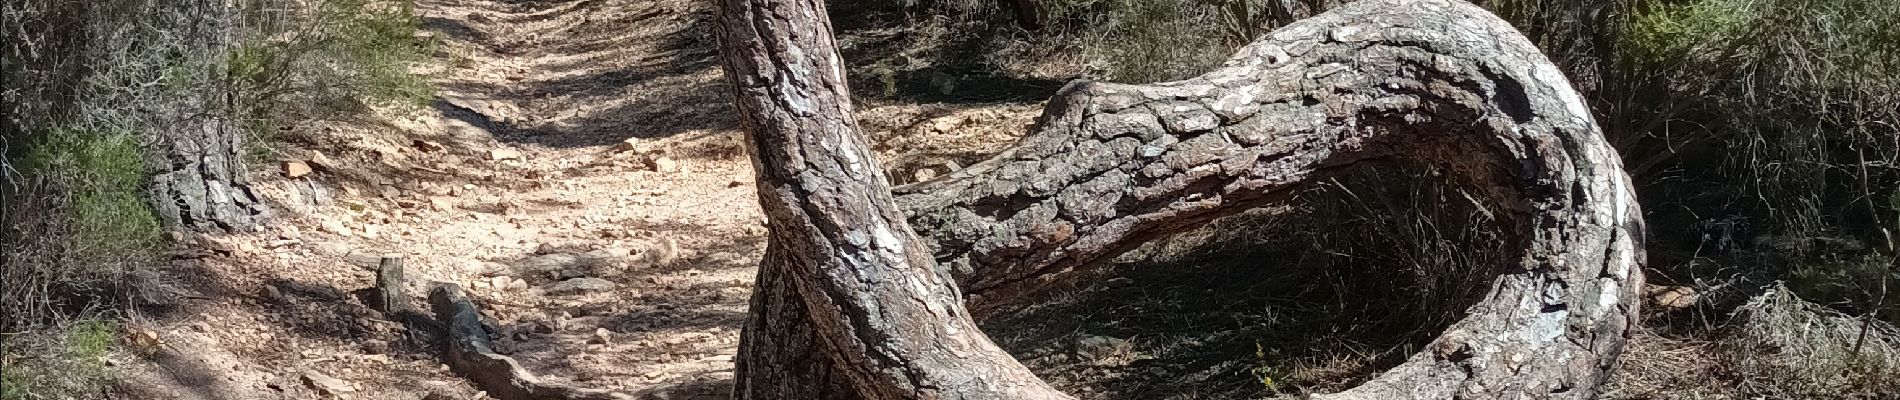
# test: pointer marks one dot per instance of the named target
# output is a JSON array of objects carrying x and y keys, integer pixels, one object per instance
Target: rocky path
[{"x": 579, "y": 172}]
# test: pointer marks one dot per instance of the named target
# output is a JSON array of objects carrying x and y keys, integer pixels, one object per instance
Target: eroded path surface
[{"x": 579, "y": 171}]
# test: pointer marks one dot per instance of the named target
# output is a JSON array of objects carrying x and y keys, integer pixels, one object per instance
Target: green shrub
[
  {"x": 339, "y": 55},
  {"x": 328, "y": 59},
  {"x": 88, "y": 342},
  {"x": 1780, "y": 117},
  {"x": 13, "y": 383},
  {"x": 1670, "y": 31},
  {"x": 106, "y": 173},
  {"x": 65, "y": 362}
]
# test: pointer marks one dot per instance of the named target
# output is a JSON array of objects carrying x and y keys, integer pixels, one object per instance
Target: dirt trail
[{"x": 580, "y": 172}]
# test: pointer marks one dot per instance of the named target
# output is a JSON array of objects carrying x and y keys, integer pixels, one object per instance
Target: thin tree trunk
[
  {"x": 851, "y": 306},
  {"x": 200, "y": 180}
]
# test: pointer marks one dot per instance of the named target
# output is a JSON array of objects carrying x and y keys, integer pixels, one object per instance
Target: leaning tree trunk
[
  {"x": 199, "y": 179},
  {"x": 854, "y": 303}
]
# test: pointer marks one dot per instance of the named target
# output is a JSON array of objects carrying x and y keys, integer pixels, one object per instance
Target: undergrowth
[
  {"x": 66, "y": 362},
  {"x": 327, "y": 60},
  {"x": 1762, "y": 136},
  {"x": 93, "y": 88}
]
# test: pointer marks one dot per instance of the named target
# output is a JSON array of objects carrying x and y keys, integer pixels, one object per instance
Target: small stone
[
  {"x": 504, "y": 153},
  {"x": 603, "y": 336},
  {"x": 425, "y": 145},
  {"x": 580, "y": 285},
  {"x": 551, "y": 263},
  {"x": 1105, "y": 351},
  {"x": 665, "y": 164},
  {"x": 296, "y": 169},
  {"x": 317, "y": 157},
  {"x": 218, "y": 245},
  {"x": 631, "y": 144},
  {"x": 327, "y": 384},
  {"x": 656, "y": 394},
  {"x": 923, "y": 174},
  {"x": 335, "y": 227},
  {"x": 486, "y": 268},
  {"x": 441, "y": 203},
  {"x": 1672, "y": 297},
  {"x": 374, "y": 346}
]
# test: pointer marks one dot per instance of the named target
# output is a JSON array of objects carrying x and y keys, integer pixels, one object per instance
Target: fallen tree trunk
[{"x": 852, "y": 303}]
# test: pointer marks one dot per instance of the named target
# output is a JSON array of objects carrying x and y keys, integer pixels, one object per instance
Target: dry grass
[
  {"x": 1777, "y": 345},
  {"x": 1783, "y": 345}
]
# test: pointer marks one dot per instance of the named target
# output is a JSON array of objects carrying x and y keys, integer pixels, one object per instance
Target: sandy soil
[{"x": 580, "y": 172}]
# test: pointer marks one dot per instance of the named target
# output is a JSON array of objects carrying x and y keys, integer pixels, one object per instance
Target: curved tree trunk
[{"x": 852, "y": 303}]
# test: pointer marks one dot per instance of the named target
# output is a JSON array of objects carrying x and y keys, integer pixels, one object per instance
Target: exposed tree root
[
  {"x": 469, "y": 353},
  {"x": 467, "y": 350}
]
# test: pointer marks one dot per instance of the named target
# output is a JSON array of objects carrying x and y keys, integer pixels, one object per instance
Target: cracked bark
[
  {"x": 199, "y": 180},
  {"x": 853, "y": 302}
]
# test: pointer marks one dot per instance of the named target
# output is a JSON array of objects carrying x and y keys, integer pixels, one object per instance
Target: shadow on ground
[
  {"x": 1216, "y": 320},
  {"x": 583, "y": 73}
]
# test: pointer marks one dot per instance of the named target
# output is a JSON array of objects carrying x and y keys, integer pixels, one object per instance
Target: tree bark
[
  {"x": 852, "y": 304},
  {"x": 199, "y": 177},
  {"x": 200, "y": 182}
]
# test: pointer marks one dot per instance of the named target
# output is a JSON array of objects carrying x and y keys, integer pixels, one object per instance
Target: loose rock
[
  {"x": 504, "y": 154},
  {"x": 580, "y": 285},
  {"x": 296, "y": 169},
  {"x": 327, "y": 384}
]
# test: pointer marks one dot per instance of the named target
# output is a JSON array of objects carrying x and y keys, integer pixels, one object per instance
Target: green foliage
[
  {"x": 14, "y": 383},
  {"x": 60, "y": 363},
  {"x": 1778, "y": 116},
  {"x": 344, "y": 55},
  {"x": 1264, "y": 369},
  {"x": 87, "y": 343},
  {"x": 1676, "y": 30},
  {"x": 106, "y": 173},
  {"x": 334, "y": 59}
]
